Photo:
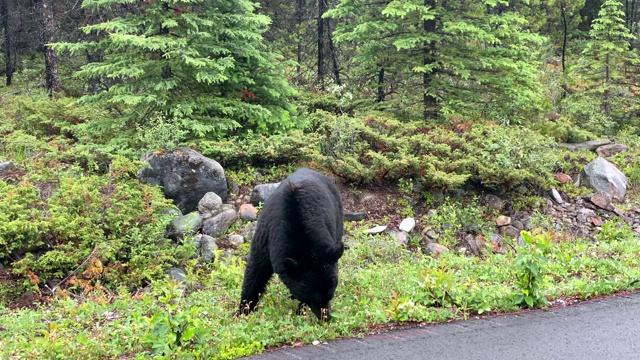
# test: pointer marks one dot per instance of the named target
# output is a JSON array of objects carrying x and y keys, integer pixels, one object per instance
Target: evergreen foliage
[
  {"x": 484, "y": 59},
  {"x": 605, "y": 63},
  {"x": 378, "y": 149},
  {"x": 200, "y": 64},
  {"x": 100, "y": 230}
]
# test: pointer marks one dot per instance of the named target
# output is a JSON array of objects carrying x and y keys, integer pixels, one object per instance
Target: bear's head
[{"x": 312, "y": 283}]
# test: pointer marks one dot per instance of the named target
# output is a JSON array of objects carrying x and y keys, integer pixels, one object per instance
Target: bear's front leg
[{"x": 256, "y": 276}]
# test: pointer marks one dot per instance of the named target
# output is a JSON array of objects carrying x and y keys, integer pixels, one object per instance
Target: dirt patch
[{"x": 379, "y": 203}]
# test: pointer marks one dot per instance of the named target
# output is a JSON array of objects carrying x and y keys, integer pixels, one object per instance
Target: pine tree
[
  {"x": 198, "y": 63},
  {"x": 465, "y": 57},
  {"x": 607, "y": 54}
]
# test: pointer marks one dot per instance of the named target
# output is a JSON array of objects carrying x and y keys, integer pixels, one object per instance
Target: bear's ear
[{"x": 291, "y": 267}]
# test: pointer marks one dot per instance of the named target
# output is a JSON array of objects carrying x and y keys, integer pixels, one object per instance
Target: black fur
[{"x": 299, "y": 237}]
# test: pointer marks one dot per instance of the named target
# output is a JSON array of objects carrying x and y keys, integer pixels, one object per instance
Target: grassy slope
[{"x": 381, "y": 282}]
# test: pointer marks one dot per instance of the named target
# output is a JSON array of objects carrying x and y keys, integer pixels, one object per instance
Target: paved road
[{"x": 600, "y": 330}]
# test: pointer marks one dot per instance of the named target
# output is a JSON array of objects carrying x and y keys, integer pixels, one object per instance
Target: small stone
[
  {"x": 177, "y": 274},
  {"x": 316, "y": 342},
  {"x": 494, "y": 202},
  {"x": 562, "y": 178},
  {"x": 431, "y": 234},
  {"x": 248, "y": 212},
  {"x": 503, "y": 220},
  {"x": 249, "y": 230},
  {"x": 376, "y": 230},
  {"x": 517, "y": 224},
  {"x": 601, "y": 199},
  {"x": 206, "y": 247},
  {"x": 618, "y": 211},
  {"x": 611, "y": 149},
  {"x": 582, "y": 218},
  {"x": 5, "y": 166},
  {"x": 510, "y": 231},
  {"x": 182, "y": 225},
  {"x": 236, "y": 239},
  {"x": 262, "y": 192},
  {"x": 436, "y": 249},
  {"x": 596, "y": 221},
  {"x": 637, "y": 229},
  {"x": 354, "y": 216},
  {"x": 234, "y": 188},
  {"x": 402, "y": 238},
  {"x": 555, "y": 195},
  {"x": 209, "y": 205},
  {"x": 587, "y": 212},
  {"x": 218, "y": 224},
  {"x": 407, "y": 224}
]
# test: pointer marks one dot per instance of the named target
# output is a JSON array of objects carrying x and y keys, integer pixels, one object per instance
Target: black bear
[{"x": 299, "y": 237}]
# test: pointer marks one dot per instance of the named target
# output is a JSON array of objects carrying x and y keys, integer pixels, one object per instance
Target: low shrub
[
  {"x": 96, "y": 229},
  {"x": 378, "y": 148},
  {"x": 258, "y": 150}
]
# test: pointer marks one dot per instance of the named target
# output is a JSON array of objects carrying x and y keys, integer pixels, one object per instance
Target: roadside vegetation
[{"x": 442, "y": 102}]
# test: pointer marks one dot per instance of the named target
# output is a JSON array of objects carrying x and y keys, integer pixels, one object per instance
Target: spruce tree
[
  {"x": 200, "y": 64},
  {"x": 607, "y": 54},
  {"x": 473, "y": 58}
]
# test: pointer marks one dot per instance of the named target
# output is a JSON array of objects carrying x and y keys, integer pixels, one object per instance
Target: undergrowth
[{"x": 380, "y": 282}]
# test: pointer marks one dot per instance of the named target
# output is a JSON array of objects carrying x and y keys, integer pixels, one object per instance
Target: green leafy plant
[
  {"x": 530, "y": 275},
  {"x": 175, "y": 327},
  {"x": 615, "y": 229}
]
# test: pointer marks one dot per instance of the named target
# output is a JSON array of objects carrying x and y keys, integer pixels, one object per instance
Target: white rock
[
  {"x": 376, "y": 230},
  {"x": 407, "y": 224}
]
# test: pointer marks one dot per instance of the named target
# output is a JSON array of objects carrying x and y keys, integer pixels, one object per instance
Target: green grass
[{"x": 380, "y": 282}]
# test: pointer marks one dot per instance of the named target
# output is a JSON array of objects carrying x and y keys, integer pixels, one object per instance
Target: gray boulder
[
  {"x": 262, "y": 192},
  {"x": 185, "y": 176},
  {"x": 206, "y": 246},
  {"x": 249, "y": 230},
  {"x": 183, "y": 225},
  {"x": 217, "y": 225},
  {"x": 177, "y": 274},
  {"x": 602, "y": 175},
  {"x": 209, "y": 205}
]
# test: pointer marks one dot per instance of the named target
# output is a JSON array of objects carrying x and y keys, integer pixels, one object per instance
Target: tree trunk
[
  {"x": 299, "y": 19},
  {"x": 429, "y": 49},
  {"x": 380, "y": 97},
  {"x": 633, "y": 22},
  {"x": 334, "y": 59},
  {"x": 607, "y": 80},
  {"x": 564, "y": 35},
  {"x": 50, "y": 56},
  {"x": 8, "y": 40},
  {"x": 322, "y": 6}
]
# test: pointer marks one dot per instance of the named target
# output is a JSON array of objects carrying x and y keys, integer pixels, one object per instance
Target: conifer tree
[
  {"x": 198, "y": 63},
  {"x": 473, "y": 58},
  {"x": 607, "y": 54}
]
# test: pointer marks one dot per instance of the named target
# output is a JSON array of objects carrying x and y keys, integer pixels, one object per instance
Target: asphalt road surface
[{"x": 607, "y": 329}]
